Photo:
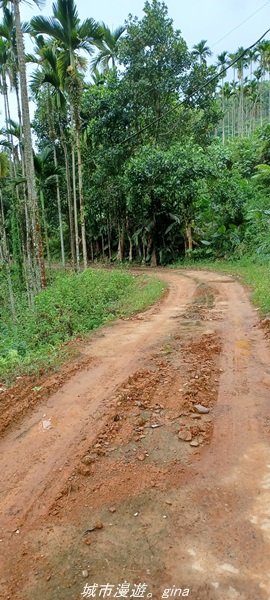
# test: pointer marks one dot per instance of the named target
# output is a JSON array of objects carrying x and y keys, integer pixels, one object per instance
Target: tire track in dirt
[
  {"x": 228, "y": 553},
  {"x": 172, "y": 515},
  {"x": 33, "y": 462}
]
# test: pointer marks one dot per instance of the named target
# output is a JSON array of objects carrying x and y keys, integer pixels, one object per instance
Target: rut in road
[{"x": 168, "y": 513}]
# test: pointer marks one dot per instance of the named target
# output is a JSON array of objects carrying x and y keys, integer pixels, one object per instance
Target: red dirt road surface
[{"x": 147, "y": 466}]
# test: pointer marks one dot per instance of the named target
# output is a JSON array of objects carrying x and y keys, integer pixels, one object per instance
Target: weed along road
[{"x": 147, "y": 470}]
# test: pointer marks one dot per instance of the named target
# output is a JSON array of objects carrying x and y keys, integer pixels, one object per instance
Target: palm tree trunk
[
  {"x": 69, "y": 197},
  {"x": 45, "y": 227},
  {"x": 25, "y": 271},
  {"x": 28, "y": 151},
  {"x": 30, "y": 271},
  {"x": 268, "y": 95},
  {"x": 109, "y": 240},
  {"x": 6, "y": 259},
  {"x": 75, "y": 211},
  {"x": 81, "y": 198},
  {"x": 59, "y": 210},
  {"x": 223, "y": 111},
  {"x": 52, "y": 135}
]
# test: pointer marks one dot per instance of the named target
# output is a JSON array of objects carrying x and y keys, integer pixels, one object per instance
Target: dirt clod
[
  {"x": 201, "y": 409},
  {"x": 83, "y": 470},
  {"x": 141, "y": 457},
  {"x": 88, "y": 459},
  {"x": 185, "y": 435},
  {"x": 194, "y": 443}
]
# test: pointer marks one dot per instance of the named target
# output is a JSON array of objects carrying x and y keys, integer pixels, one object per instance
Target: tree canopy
[{"x": 140, "y": 149}]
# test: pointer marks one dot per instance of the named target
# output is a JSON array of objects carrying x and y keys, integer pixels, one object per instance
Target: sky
[
  {"x": 225, "y": 24},
  {"x": 197, "y": 19}
]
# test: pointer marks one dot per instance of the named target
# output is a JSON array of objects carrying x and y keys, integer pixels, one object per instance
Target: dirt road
[{"x": 119, "y": 478}]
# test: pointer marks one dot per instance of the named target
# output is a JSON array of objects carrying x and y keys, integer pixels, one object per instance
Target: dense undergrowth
[{"x": 71, "y": 306}]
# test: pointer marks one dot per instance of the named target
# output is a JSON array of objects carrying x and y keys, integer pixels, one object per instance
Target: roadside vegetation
[{"x": 71, "y": 306}]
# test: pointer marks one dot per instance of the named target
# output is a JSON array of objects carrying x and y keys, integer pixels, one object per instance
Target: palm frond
[
  {"x": 4, "y": 31},
  {"x": 66, "y": 12},
  {"x": 39, "y": 3},
  {"x": 31, "y": 58},
  {"x": 119, "y": 31},
  {"x": 48, "y": 53},
  {"x": 8, "y": 19},
  {"x": 90, "y": 30},
  {"x": 86, "y": 45},
  {"x": 36, "y": 81},
  {"x": 6, "y": 144},
  {"x": 26, "y": 27},
  {"x": 48, "y": 26}
]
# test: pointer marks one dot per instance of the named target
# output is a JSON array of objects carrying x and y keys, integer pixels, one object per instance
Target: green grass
[
  {"x": 72, "y": 306},
  {"x": 250, "y": 272}
]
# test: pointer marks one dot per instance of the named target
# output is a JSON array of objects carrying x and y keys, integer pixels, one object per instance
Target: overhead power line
[
  {"x": 240, "y": 24},
  {"x": 199, "y": 89}
]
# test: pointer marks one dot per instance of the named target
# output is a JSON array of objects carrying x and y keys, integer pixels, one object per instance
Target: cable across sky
[{"x": 208, "y": 82}]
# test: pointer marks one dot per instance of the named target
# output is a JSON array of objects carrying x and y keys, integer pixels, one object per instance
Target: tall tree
[
  {"x": 38, "y": 259},
  {"x": 71, "y": 35},
  {"x": 4, "y": 251},
  {"x": 221, "y": 63},
  {"x": 201, "y": 51},
  {"x": 241, "y": 65},
  {"x": 46, "y": 77},
  {"x": 107, "y": 47}
]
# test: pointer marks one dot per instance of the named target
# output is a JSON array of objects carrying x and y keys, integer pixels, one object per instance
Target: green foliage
[
  {"x": 150, "y": 160},
  {"x": 72, "y": 305}
]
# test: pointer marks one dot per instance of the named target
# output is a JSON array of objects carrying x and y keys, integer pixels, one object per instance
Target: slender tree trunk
[
  {"x": 74, "y": 142},
  {"x": 28, "y": 151},
  {"x": 102, "y": 246},
  {"x": 69, "y": 198},
  {"x": 261, "y": 103},
  {"x": 59, "y": 210},
  {"x": 52, "y": 135},
  {"x": 6, "y": 258},
  {"x": 45, "y": 227},
  {"x": 223, "y": 111},
  {"x": 81, "y": 198},
  {"x": 26, "y": 277},
  {"x": 13, "y": 173},
  {"x": 31, "y": 280},
  {"x": 130, "y": 254},
  {"x": 121, "y": 243},
  {"x": 31, "y": 277},
  {"x": 153, "y": 262},
  {"x": 75, "y": 92},
  {"x": 75, "y": 211},
  {"x": 189, "y": 245},
  {"x": 144, "y": 252},
  {"x": 109, "y": 240},
  {"x": 269, "y": 96},
  {"x": 242, "y": 108}
]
